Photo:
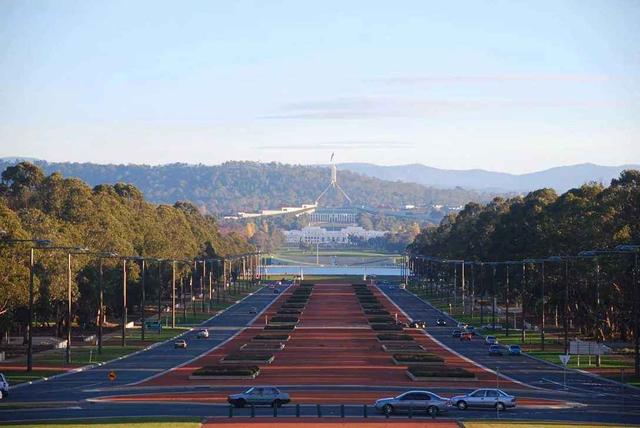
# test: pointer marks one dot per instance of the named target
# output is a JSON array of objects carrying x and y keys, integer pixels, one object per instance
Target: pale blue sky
[{"x": 504, "y": 85}]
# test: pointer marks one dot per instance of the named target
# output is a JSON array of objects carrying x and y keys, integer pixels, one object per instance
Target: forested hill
[{"x": 250, "y": 186}]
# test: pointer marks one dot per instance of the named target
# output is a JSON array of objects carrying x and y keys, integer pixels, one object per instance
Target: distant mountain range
[{"x": 560, "y": 178}]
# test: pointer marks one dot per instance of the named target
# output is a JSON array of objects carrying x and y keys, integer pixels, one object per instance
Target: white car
[
  {"x": 203, "y": 334},
  {"x": 491, "y": 340},
  {"x": 492, "y": 398},
  {"x": 4, "y": 387}
]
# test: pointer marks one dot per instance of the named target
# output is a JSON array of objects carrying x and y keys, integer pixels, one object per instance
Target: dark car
[
  {"x": 514, "y": 350},
  {"x": 495, "y": 350},
  {"x": 418, "y": 324},
  {"x": 259, "y": 396},
  {"x": 456, "y": 333},
  {"x": 412, "y": 401},
  {"x": 441, "y": 321}
]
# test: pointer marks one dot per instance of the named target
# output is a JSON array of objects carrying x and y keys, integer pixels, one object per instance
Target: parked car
[
  {"x": 4, "y": 387},
  {"x": 181, "y": 343},
  {"x": 491, "y": 340},
  {"x": 466, "y": 336},
  {"x": 441, "y": 321},
  {"x": 490, "y": 398},
  {"x": 402, "y": 324},
  {"x": 253, "y": 310},
  {"x": 418, "y": 324},
  {"x": 259, "y": 396},
  {"x": 456, "y": 333},
  {"x": 203, "y": 334},
  {"x": 495, "y": 350},
  {"x": 514, "y": 350},
  {"x": 418, "y": 401}
]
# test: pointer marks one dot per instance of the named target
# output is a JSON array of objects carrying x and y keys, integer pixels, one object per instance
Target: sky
[{"x": 498, "y": 85}]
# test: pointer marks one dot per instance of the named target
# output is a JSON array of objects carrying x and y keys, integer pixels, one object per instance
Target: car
[
  {"x": 276, "y": 291},
  {"x": 181, "y": 343},
  {"x": 419, "y": 401},
  {"x": 466, "y": 336},
  {"x": 490, "y": 340},
  {"x": 471, "y": 329},
  {"x": 462, "y": 325},
  {"x": 203, "y": 334},
  {"x": 486, "y": 397},
  {"x": 4, "y": 387},
  {"x": 402, "y": 324},
  {"x": 514, "y": 350},
  {"x": 418, "y": 324},
  {"x": 253, "y": 310},
  {"x": 259, "y": 396},
  {"x": 495, "y": 350},
  {"x": 441, "y": 321},
  {"x": 456, "y": 333}
]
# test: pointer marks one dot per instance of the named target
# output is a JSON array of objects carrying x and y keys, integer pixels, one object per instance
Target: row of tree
[{"x": 113, "y": 218}]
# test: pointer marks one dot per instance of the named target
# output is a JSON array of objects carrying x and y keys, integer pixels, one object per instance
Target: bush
[
  {"x": 419, "y": 371},
  {"x": 289, "y": 312},
  {"x": 381, "y": 320},
  {"x": 292, "y": 306},
  {"x": 367, "y": 306},
  {"x": 424, "y": 357},
  {"x": 366, "y": 299},
  {"x": 386, "y": 327},
  {"x": 280, "y": 327},
  {"x": 273, "y": 337},
  {"x": 227, "y": 371},
  {"x": 394, "y": 337},
  {"x": 376, "y": 312},
  {"x": 284, "y": 319},
  {"x": 237, "y": 356}
]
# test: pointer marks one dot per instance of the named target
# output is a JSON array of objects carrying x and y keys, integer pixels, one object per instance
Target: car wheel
[
  {"x": 462, "y": 405},
  {"x": 240, "y": 403},
  {"x": 500, "y": 407},
  {"x": 432, "y": 410},
  {"x": 387, "y": 409}
]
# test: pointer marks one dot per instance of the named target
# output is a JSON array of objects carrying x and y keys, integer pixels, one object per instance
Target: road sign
[
  {"x": 564, "y": 359},
  {"x": 112, "y": 376}
]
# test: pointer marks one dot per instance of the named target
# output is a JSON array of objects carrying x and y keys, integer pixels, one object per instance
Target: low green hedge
[
  {"x": 262, "y": 356},
  {"x": 418, "y": 357},
  {"x": 381, "y": 320},
  {"x": 386, "y": 327},
  {"x": 376, "y": 312},
  {"x": 280, "y": 327},
  {"x": 367, "y": 306},
  {"x": 227, "y": 371},
  {"x": 273, "y": 337},
  {"x": 289, "y": 312},
  {"x": 368, "y": 299},
  {"x": 284, "y": 319},
  {"x": 292, "y": 306},
  {"x": 420, "y": 371},
  {"x": 394, "y": 337}
]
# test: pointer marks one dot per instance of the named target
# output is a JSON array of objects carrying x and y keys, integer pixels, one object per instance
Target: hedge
[
  {"x": 424, "y": 357},
  {"x": 376, "y": 312},
  {"x": 419, "y": 371},
  {"x": 381, "y": 320},
  {"x": 284, "y": 337},
  {"x": 284, "y": 319},
  {"x": 227, "y": 371},
  {"x": 386, "y": 327},
  {"x": 292, "y": 306},
  {"x": 392, "y": 337},
  {"x": 249, "y": 357},
  {"x": 280, "y": 327},
  {"x": 289, "y": 312},
  {"x": 366, "y": 306}
]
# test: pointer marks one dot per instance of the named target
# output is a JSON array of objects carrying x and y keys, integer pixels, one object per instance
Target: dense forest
[
  {"x": 252, "y": 186},
  {"x": 103, "y": 218}
]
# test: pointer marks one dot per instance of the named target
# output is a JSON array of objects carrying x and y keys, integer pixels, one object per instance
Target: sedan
[
  {"x": 180, "y": 344},
  {"x": 203, "y": 334},
  {"x": 259, "y": 396},
  {"x": 456, "y": 333},
  {"x": 253, "y": 310},
  {"x": 488, "y": 398},
  {"x": 514, "y": 350},
  {"x": 491, "y": 340},
  {"x": 495, "y": 350},
  {"x": 427, "y": 401},
  {"x": 441, "y": 321},
  {"x": 418, "y": 324}
]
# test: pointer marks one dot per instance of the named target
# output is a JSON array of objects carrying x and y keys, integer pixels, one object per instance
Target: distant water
[{"x": 331, "y": 270}]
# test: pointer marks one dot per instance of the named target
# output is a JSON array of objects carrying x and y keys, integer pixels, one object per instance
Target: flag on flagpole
[{"x": 332, "y": 157}]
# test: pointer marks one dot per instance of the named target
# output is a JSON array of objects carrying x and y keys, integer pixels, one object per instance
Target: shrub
[
  {"x": 423, "y": 357},
  {"x": 386, "y": 327},
  {"x": 284, "y": 319},
  {"x": 227, "y": 371},
  {"x": 367, "y": 299},
  {"x": 419, "y": 371},
  {"x": 394, "y": 337},
  {"x": 273, "y": 337},
  {"x": 237, "y": 356},
  {"x": 287, "y": 327},
  {"x": 376, "y": 312},
  {"x": 289, "y": 312},
  {"x": 292, "y": 306},
  {"x": 372, "y": 306},
  {"x": 381, "y": 320}
]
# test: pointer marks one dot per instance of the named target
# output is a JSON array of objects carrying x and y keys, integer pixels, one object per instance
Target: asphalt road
[{"x": 154, "y": 360}]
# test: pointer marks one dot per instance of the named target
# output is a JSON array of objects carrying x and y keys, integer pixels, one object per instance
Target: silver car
[
  {"x": 489, "y": 398},
  {"x": 416, "y": 401},
  {"x": 259, "y": 396}
]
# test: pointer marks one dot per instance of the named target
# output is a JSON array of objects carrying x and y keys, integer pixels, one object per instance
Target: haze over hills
[
  {"x": 251, "y": 186},
  {"x": 559, "y": 178}
]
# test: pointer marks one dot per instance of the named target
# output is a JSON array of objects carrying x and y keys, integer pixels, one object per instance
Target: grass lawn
[
  {"x": 518, "y": 424},
  {"x": 117, "y": 423}
]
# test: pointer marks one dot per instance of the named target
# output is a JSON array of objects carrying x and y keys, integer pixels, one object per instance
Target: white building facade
[{"x": 318, "y": 235}]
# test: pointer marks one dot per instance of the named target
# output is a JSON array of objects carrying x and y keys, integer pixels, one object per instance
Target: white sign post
[{"x": 564, "y": 359}]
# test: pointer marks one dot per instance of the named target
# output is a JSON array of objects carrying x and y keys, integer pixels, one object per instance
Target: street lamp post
[{"x": 542, "y": 293}]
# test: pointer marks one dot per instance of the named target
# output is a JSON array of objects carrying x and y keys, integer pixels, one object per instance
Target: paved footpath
[{"x": 152, "y": 361}]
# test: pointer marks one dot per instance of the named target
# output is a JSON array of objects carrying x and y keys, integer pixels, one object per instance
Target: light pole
[
  {"x": 542, "y": 296},
  {"x": 75, "y": 251},
  {"x": 124, "y": 295}
]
